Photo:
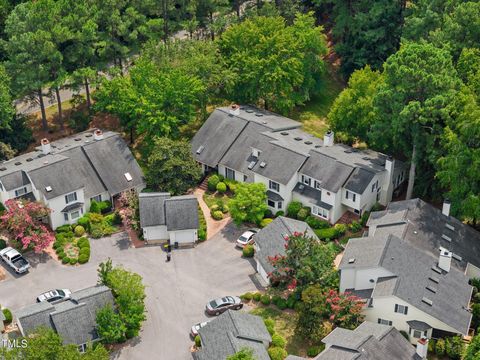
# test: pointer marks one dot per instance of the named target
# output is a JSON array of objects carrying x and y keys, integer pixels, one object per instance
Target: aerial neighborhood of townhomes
[{"x": 239, "y": 180}]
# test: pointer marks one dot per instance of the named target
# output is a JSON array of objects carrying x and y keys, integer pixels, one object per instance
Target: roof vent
[
  {"x": 67, "y": 145},
  {"x": 29, "y": 159},
  {"x": 436, "y": 269},
  {"x": 434, "y": 279},
  {"x": 128, "y": 176},
  {"x": 200, "y": 149},
  {"x": 427, "y": 301},
  {"x": 88, "y": 135},
  {"x": 457, "y": 257},
  {"x": 263, "y": 164},
  {"x": 432, "y": 289},
  {"x": 449, "y": 227},
  {"x": 251, "y": 165},
  {"x": 445, "y": 237},
  {"x": 259, "y": 114},
  {"x": 54, "y": 146},
  {"x": 18, "y": 163},
  {"x": 284, "y": 133},
  {"x": 48, "y": 188},
  {"x": 318, "y": 146},
  {"x": 77, "y": 139},
  {"x": 298, "y": 138},
  {"x": 249, "y": 111},
  {"x": 3, "y": 168},
  {"x": 351, "y": 260},
  {"x": 347, "y": 151},
  {"x": 308, "y": 142},
  {"x": 234, "y": 110}
]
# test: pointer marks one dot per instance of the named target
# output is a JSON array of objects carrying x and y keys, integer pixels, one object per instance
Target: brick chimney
[
  {"x": 98, "y": 134},
  {"x": 46, "y": 148},
  {"x": 234, "y": 109},
  {"x": 422, "y": 347},
  {"x": 446, "y": 207}
]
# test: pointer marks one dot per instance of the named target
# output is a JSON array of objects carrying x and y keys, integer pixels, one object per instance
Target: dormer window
[{"x": 71, "y": 197}]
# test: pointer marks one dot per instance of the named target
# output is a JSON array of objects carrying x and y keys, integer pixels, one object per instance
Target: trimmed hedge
[
  {"x": 257, "y": 296},
  {"x": 279, "y": 213},
  {"x": 212, "y": 182},
  {"x": 8, "y": 315},
  {"x": 221, "y": 187},
  {"x": 85, "y": 222},
  {"x": 324, "y": 234},
  {"x": 265, "y": 299},
  {"x": 82, "y": 259},
  {"x": 79, "y": 230},
  {"x": 270, "y": 325},
  {"x": 247, "y": 296},
  {"x": 303, "y": 213},
  {"x": 217, "y": 215},
  {"x": 63, "y": 229},
  {"x": 248, "y": 251},
  {"x": 265, "y": 222},
  {"x": 293, "y": 208},
  {"x": 278, "y": 341},
  {"x": 277, "y": 353},
  {"x": 198, "y": 341},
  {"x": 316, "y": 223},
  {"x": 314, "y": 350}
]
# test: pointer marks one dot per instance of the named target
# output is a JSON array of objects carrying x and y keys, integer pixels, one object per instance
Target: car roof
[{"x": 248, "y": 233}]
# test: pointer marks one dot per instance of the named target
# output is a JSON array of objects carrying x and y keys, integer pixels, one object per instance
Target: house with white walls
[
  {"x": 247, "y": 144},
  {"x": 67, "y": 174},
  {"x": 370, "y": 341},
  {"x": 405, "y": 287},
  {"x": 169, "y": 218},
  {"x": 429, "y": 229}
]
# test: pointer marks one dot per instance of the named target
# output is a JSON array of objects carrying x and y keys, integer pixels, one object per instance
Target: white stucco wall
[{"x": 384, "y": 308}]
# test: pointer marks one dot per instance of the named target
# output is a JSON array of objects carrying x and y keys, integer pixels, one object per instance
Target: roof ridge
[{"x": 385, "y": 247}]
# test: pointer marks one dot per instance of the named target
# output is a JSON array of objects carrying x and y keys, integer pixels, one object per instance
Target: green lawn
[
  {"x": 285, "y": 323},
  {"x": 314, "y": 113}
]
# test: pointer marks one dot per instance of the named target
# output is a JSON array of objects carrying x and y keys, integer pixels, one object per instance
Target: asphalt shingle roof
[
  {"x": 230, "y": 332},
  {"x": 177, "y": 212},
  {"x": 14, "y": 180},
  {"x": 425, "y": 227},
  {"x": 369, "y": 341},
  {"x": 359, "y": 180},
  {"x": 73, "y": 319},
  {"x": 411, "y": 271},
  {"x": 271, "y": 239}
]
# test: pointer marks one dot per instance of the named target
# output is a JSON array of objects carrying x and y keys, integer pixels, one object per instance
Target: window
[
  {"x": 279, "y": 205},
  {"x": 245, "y": 177},
  {"x": 97, "y": 198},
  {"x": 71, "y": 197},
  {"x": 353, "y": 195},
  {"x": 65, "y": 216},
  {"x": 384, "y": 322},
  {"x": 317, "y": 185},
  {"x": 75, "y": 215},
  {"x": 374, "y": 186},
  {"x": 417, "y": 334},
  {"x": 271, "y": 203},
  {"x": 320, "y": 212},
  {"x": 306, "y": 180},
  {"x": 401, "y": 309},
  {"x": 21, "y": 191},
  {"x": 273, "y": 185},
  {"x": 229, "y": 174}
]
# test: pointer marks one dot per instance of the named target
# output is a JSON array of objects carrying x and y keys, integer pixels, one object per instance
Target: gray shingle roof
[
  {"x": 359, "y": 180},
  {"x": 411, "y": 271},
  {"x": 230, "y": 332},
  {"x": 418, "y": 325},
  {"x": 111, "y": 159},
  {"x": 270, "y": 240},
  {"x": 14, "y": 180},
  {"x": 314, "y": 195},
  {"x": 71, "y": 207},
  {"x": 73, "y": 319},
  {"x": 274, "y": 196},
  {"x": 369, "y": 341},
  {"x": 181, "y": 213},
  {"x": 177, "y": 212},
  {"x": 424, "y": 226}
]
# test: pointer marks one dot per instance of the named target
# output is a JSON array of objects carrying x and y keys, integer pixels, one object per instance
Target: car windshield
[
  {"x": 61, "y": 292},
  {"x": 230, "y": 299},
  {"x": 243, "y": 238},
  {"x": 213, "y": 304}
]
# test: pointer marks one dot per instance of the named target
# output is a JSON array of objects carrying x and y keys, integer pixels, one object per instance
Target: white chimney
[
  {"x": 98, "y": 134},
  {"x": 46, "y": 148},
  {"x": 446, "y": 207},
  {"x": 328, "y": 138},
  {"x": 234, "y": 109},
  {"x": 445, "y": 259},
  {"x": 422, "y": 347}
]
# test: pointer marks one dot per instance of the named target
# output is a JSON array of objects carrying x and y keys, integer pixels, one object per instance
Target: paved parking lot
[{"x": 176, "y": 291}]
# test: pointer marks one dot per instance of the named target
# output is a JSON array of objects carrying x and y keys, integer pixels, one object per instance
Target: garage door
[{"x": 185, "y": 237}]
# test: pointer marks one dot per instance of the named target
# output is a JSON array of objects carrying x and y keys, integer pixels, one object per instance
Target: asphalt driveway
[{"x": 176, "y": 291}]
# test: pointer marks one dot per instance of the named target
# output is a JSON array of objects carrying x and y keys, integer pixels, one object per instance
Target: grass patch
[
  {"x": 212, "y": 199},
  {"x": 314, "y": 113},
  {"x": 285, "y": 324}
]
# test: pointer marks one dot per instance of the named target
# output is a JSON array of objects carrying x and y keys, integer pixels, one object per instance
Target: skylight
[
  {"x": 450, "y": 227},
  {"x": 432, "y": 289},
  {"x": 457, "y": 257},
  {"x": 128, "y": 176},
  {"x": 48, "y": 188},
  {"x": 436, "y": 269},
  {"x": 200, "y": 149},
  {"x": 445, "y": 237},
  {"x": 434, "y": 279},
  {"x": 251, "y": 165}
]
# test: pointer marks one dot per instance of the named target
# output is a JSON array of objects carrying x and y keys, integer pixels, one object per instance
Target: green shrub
[
  {"x": 355, "y": 226},
  {"x": 454, "y": 347},
  {"x": 214, "y": 208},
  {"x": 431, "y": 346},
  {"x": 248, "y": 251},
  {"x": 265, "y": 299},
  {"x": 2, "y": 209},
  {"x": 65, "y": 260},
  {"x": 247, "y": 296},
  {"x": 94, "y": 207},
  {"x": 293, "y": 208},
  {"x": 83, "y": 242},
  {"x": 316, "y": 223},
  {"x": 96, "y": 231},
  {"x": 95, "y": 218},
  {"x": 63, "y": 229},
  {"x": 79, "y": 230},
  {"x": 212, "y": 182},
  {"x": 221, "y": 187},
  {"x": 85, "y": 222},
  {"x": 257, "y": 296},
  {"x": 277, "y": 353},
  {"x": 341, "y": 229},
  {"x": 3, "y": 244},
  {"x": 364, "y": 218},
  {"x": 265, "y": 222},
  {"x": 291, "y": 301},
  {"x": 270, "y": 325},
  {"x": 61, "y": 254},
  {"x": 82, "y": 259},
  {"x": 376, "y": 207},
  {"x": 268, "y": 214},
  {"x": 279, "y": 213},
  {"x": 8, "y": 316},
  {"x": 313, "y": 351},
  {"x": 282, "y": 304},
  {"x": 231, "y": 184},
  {"x": 440, "y": 347},
  {"x": 198, "y": 341},
  {"x": 303, "y": 213},
  {"x": 202, "y": 235},
  {"x": 276, "y": 299},
  {"x": 404, "y": 334},
  {"x": 324, "y": 234},
  {"x": 84, "y": 251},
  {"x": 217, "y": 215},
  {"x": 73, "y": 261},
  {"x": 278, "y": 341},
  {"x": 104, "y": 206}
]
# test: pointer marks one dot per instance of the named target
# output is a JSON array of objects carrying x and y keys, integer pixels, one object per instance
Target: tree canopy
[{"x": 248, "y": 203}]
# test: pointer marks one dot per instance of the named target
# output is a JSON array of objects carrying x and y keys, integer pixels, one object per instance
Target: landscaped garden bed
[
  {"x": 218, "y": 195},
  {"x": 70, "y": 248}
]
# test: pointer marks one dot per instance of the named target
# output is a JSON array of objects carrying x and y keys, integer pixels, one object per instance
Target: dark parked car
[{"x": 220, "y": 305}]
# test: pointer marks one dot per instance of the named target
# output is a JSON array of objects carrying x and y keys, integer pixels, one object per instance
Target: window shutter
[
  {"x": 66, "y": 199},
  {"x": 379, "y": 321},
  {"x": 406, "y": 310},
  {"x": 75, "y": 196},
  {"x": 390, "y": 323},
  {"x": 396, "y": 307}
]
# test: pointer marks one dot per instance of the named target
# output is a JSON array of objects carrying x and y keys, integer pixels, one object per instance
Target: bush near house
[
  {"x": 313, "y": 351},
  {"x": 277, "y": 353},
  {"x": 202, "y": 231},
  {"x": 265, "y": 299},
  {"x": 217, "y": 215},
  {"x": 440, "y": 347},
  {"x": 316, "y": 223},
  {"x": 265, "y": 222},
  {"x": 303, "y": 213},
  {"x": 248, "y": 251},
  {"x": 257, "y": 296},
  {"x": 355, "y": 226},
  {"x": 279, "y": 213},
  {"x": 213, "y": 182},
  {"x": 221, "y": 187},
  {"x": 198, "y": 341},
  {"x": 8, "y": 315},
  {"x": 293, "y": 208},
  {"x": 3, "y": 244}
]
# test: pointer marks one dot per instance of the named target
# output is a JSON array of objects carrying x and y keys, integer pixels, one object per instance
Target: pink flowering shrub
[
  {"x": 22, "y": 220},
  {"x": 129, "y": 211}
]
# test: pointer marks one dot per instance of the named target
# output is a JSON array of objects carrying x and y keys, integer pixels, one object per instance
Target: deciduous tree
[
  {"x": 110, "y": 326},
  {"x": 249, "y": 203}
]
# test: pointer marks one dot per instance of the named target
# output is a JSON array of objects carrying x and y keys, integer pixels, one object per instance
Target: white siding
[
  {"x": 472, "y": 271},
  {"x": 369, "y": 198},
  {"x": 349, "y": 202},
  {"x": 155, "y": 233},
  {"x": 57, "y": 204},
  {"x": 183, "y": 236},
  {"x": 359, "y": 279},
  {"x": 262, "y": 272},
  {"x": 285, "y": 189}
]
